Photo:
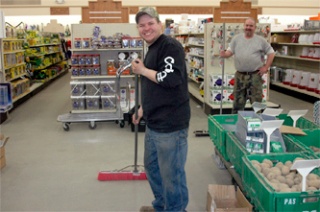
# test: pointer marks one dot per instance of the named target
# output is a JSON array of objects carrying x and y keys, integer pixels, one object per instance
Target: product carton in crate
[
  {"x": 223, "y": 198},
  {"x": 3, "y": 141},
  {"x": 250, "y": 132}
]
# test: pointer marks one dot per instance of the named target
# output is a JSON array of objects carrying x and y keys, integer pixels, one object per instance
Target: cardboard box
[
  {"x": 222, "y": 198},
  {"x": 3, "y": 141}
]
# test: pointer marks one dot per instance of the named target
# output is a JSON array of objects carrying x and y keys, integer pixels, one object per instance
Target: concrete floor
[{"x": 49, "y": 169}]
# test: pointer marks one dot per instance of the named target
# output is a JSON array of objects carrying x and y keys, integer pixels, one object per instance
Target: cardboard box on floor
[
  {"x": 224, "y": 198},
  {"x": 3, "y": 141}
]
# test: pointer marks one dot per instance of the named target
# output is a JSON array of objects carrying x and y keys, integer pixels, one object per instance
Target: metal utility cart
[
  {"x": 111, "y": 106},
  {"x": 98, "y": 92}
]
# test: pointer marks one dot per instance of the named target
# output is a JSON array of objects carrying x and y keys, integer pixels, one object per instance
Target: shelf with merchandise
[
  {"x": 98, "y": 91},
  {"x": 298, "y": 57},
  {"x": 194, "y": 47}
]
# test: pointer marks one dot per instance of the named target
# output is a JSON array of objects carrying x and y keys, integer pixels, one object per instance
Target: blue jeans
[{"x": 164, "y": 159}]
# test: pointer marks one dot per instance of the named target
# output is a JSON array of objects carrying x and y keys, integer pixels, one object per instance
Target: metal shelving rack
[{"x": 121, "y": 83}]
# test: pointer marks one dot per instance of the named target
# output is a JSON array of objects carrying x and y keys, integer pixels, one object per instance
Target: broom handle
[{"x": 136, "y": 125}]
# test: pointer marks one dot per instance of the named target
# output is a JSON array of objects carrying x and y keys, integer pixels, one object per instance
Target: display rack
[
  {"x": 296, "y": 51},
  {"x": 194, "y": 44},
  {"x": 97, "y": 94},
  {"x": 16, "y": 69}
]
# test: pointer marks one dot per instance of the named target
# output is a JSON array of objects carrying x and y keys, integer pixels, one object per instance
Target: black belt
[{"x": 248, "y": 72}]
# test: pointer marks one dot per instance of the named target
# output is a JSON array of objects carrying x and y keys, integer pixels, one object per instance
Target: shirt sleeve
[{"x": 171, "y": 65}]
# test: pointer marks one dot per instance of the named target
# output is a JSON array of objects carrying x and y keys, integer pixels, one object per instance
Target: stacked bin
[
  {"x": 265, "y": 198},
  {"x": 310, "y": 142},
  {"x": 219, "y": 126}
]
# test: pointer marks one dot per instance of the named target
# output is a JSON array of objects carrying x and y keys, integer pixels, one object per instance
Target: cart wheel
[
  {"x": 92, "y": 125},
  {"x": 117, "y": 122},
  {"x": 122, "y": 124},
  {"x": 66, "y": 127}
]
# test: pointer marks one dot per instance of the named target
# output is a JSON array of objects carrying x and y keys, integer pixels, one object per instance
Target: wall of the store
[
  {"x": 285, "y": 11},
  {"x": 270, "y": 7}
]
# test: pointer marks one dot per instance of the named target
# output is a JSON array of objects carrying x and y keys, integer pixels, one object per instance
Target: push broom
[{"x": 127, "y": 173}]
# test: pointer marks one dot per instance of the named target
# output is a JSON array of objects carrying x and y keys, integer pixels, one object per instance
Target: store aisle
[{"x": 49, "y": 169}]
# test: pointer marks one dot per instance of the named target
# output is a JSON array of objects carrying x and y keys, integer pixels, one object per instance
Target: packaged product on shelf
[
  {"x": 92, "y": 88},
  {"x": 111, "y": 69},
  {"x": 86, "y": 43},
  {"x": 82, "y": 71},
  {"x": 89, "y": 71},
  {"x": 92, "y": 102},
  {"x": 95, "y": 59},
  {"x": 88, "y": 60},
  {"x": 77, "y": 43},
  {"x": 82, "y": 59},
  {"x": 125, "y": 42},
  {"x": 96, "y": 70},
  {"x": 107, "y": 87},
  {"x": 75, "y": 71},
  {"x": 75, "y": 60},
  {"x": 78, "y": 102},
  {"x": 77, "y": 88},
  {"x": 108, "y": 102}
]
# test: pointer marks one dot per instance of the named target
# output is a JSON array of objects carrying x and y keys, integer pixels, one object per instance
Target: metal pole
[
  {"x": 223, "y": 48},
  {"x": 136, "y": 125}
]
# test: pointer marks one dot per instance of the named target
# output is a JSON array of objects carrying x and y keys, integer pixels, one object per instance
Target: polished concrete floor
[{"x": 49, "y": 169}]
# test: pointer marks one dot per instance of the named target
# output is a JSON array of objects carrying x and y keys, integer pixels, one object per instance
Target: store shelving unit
[
  {"x": 107, "y": 103},
  {"x": 289, "y": 49},
  {"x": 217, "y": 37},
  {"x": 194, "y": 44},
  {"x": 204, "y": 65},
  {"x": 14, "y": 67}
]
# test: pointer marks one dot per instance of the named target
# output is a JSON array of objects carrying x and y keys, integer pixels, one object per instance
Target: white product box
[
  {"x": 216, "y": 97},
  {"x": 228, "y": 94},
  {"x": 215, "y": 81},
  {"x": 264, "y": 95},
  {"x": 229, "y": 81},
  {"x": 265, "y": 80},
  {"x": 123, "y": 99},
  {"x": 132, "y": 97}
]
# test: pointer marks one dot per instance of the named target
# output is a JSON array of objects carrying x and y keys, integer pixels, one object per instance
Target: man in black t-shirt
[{"x": 166, "y": 110}]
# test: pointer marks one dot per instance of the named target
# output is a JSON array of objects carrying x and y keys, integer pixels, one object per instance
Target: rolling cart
[{"x": 92, "y": 116}]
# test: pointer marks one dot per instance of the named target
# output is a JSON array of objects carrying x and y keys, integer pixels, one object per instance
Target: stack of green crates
[
  {"x": 263, "y": 196},
  {"x": 236, "y": 150},
  {"x": 218, "y": 126},
  {"x": 302, "y": 122},
  {"x": 311, "y": 139}
]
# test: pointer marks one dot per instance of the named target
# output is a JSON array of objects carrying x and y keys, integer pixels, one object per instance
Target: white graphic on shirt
[{"x": 167, "y": 69}]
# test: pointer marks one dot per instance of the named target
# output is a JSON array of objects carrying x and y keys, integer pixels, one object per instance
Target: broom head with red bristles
[{"x": 123, "y": 175}]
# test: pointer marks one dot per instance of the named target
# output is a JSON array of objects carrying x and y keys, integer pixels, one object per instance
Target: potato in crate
[
  {"x": 272, "y": 186},
  {"x": 310, "y": 142}
]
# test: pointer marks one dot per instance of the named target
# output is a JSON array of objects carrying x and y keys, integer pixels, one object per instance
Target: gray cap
[{"x": 150, "y": 11}]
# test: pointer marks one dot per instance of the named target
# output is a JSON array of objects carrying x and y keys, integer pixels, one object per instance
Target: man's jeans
[{"x": 164, "y": 159}]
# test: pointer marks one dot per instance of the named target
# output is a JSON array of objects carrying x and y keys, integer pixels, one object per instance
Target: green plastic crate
[
  {"x": 302, "y": 122},
  {"x": 306, "y": 141},
  {"x": 218, "y": 126},
  {"x": 264, "y": 197},
  {"x": 236, "y": 150}
]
